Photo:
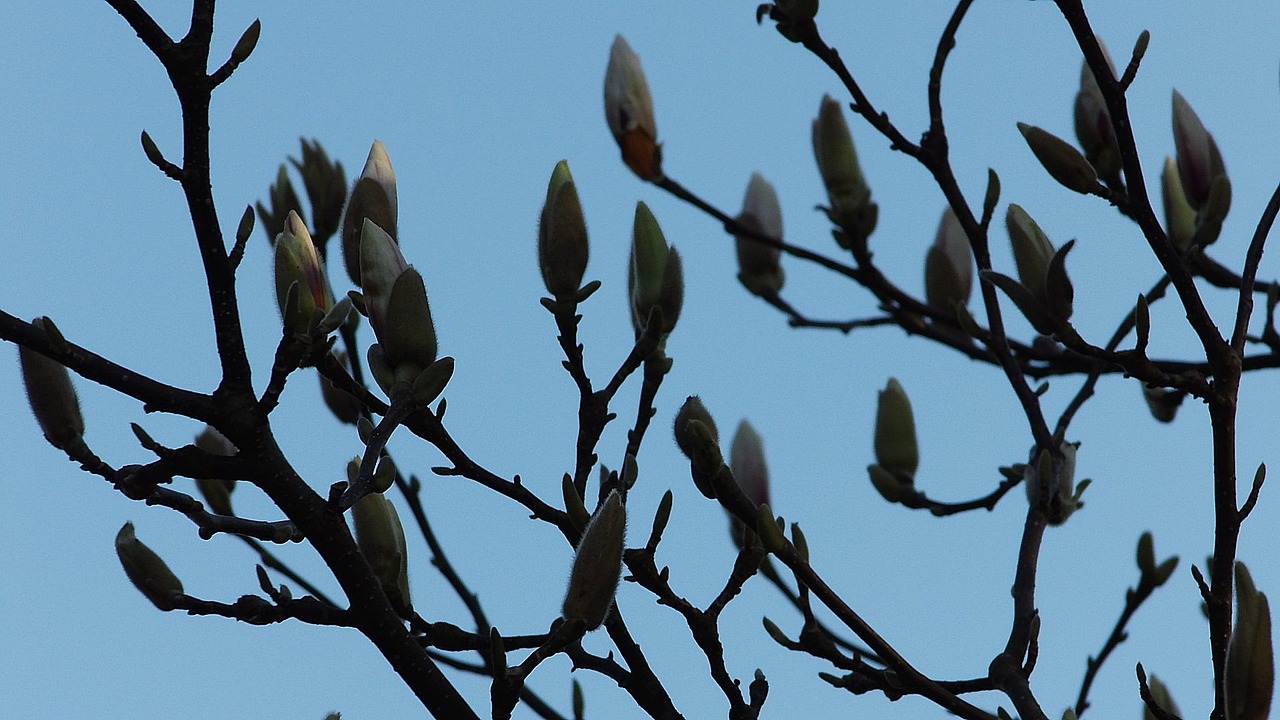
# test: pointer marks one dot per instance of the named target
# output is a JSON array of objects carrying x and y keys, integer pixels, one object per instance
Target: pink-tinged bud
[
  {"x": 1199, "y": 162},
  {"x": 948, "y": 267},
  {"x": 299, "y": 265},
  {"x": 381, "y": 540},
  {"x": 655, "y": 276},
  {"x": 759, "y": 267},
  {"x": 52, "y": 397},
  {"x": 146, "y": 570},
  {"x": 597, "y": 565},
  {"x": 1093, "y": 125},
  {"x": 1250, "y": 661},
  {"x": 628, "y": 108},
  {"x": 746, "y": 460},
  {"x": 847, "y": 190},
  {"x": 373, "y": 198}
]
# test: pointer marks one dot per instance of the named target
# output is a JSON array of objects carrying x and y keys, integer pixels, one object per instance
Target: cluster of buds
[
  {"x": 373, "y": 198},
  {"x": 655, "y": 278},
  {"x": 146, "y": 570},
  {"x": 1093, "y": 126},
  {"x": 216, "y": 491},
  {"x": 1043, "y": 291},
  {"x": 381, "y": 540},
  {"x": 746, "y": 460},
  {"x": 851, "y": 207},
  {"x": 628, "y": 108},
  {"x": 597, "y": 565},
  {"x": 52, "y": 398},
  {"x": 302, "y": 288},
  {"x": 1250, "y": 660},
  {"x": 1195, "y": 188},
  {"x": 759, "y": 266},
  {"x": 562, "y": 237},
  {"x": 948, "y": 266},
  {"x": 699, "y": 440},
  {"x": 1050, "y": 480},
  {"x": 897, "y": 453}
]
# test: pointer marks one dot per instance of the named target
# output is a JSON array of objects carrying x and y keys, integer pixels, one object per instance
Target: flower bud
[
  {"x": 283, "y": 201},
  {"x": 381, "y": 540},
  {"x": 759, "y": 269},
  {"x": 746, "y": 460},
  {"x": 1032, "y": 251},
  {"x": 396, "y": 301},
  {"x": 373, "y": 198},
  {"x": 298, "y": 264},
  {"x": 1199, "y": 162},
  {"x": 948, "y": 267},
  {"x": 1159, "y": 693},
  {"x": 1056, "y": 475},
  {"x": 52, "y": 397},
  {"x": 1179, "y": 216},
  {"x": 895, "y": 438},
  {"x": 696, "y": 434},
  {"x": 1250, "y": 662},
  {"x": 1063, "y": 162},
  {"x": 847, "y": 191},
  {"x": 326, "y": 184},
  {"x": 1094, "y": 130},
  {"x": 597, "y": 565},
  {"x": 146, "y": 570},
  {"x": 628, "y": 108},
  {"x": 216, "y": 491},
  {"x": 562, "y": 236},
  {"x": 655, "y": 278}
]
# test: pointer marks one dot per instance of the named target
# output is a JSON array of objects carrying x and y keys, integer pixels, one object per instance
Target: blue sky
[{"x": 475, "y": 106}]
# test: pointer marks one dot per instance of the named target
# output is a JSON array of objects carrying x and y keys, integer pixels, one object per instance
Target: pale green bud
[
  {"x": 597, "y": 565},
  {"x": 562, "y": 236},
  {"x": 52, "y": 397},
  {"x": 1032, "y": 251},
  {"x": 948, "y": 267},
  {"x": 759, "y": 268},
  {"x": 655, "y": 277},
  {"x": 146, "y": 570},
  {"x": 895, "y": 438},
  {"x": 381, "y": 540},
  {"x": 409, "y": 336},
  {"x": 1250, "y": 661},
  {"x": 699, "y": 440},
  {"x": 1063, "y": 162},
  {"x": 298, "y": 264},
  {"x": 1179, "y": 216},
  {"x": 847, "y": 191},
  {"x": 373, "y": 199},
  {"x": 628, "y": 108}
]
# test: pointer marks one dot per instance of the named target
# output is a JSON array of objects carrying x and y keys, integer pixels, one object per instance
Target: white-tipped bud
[
  {"x": 759, "y": 268},
  {"x": 628, "y": 108}
]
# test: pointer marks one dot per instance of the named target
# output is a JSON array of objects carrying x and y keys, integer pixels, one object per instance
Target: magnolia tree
[{"x": 368, "y": 335}]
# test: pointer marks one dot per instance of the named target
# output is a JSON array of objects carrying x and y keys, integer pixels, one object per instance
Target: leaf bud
[
  {"x": 52, "y": 397},
  {"x": 847, "y": 191},
  {"x": 381, "y": 540},
  {"x": 1063, "y": 162},
  {"x": 146, "y": 570},
  {"x": 373, "y": 198},
  {"x": 562, "y": 236},
  {"x": 948, "y": 266},
  {"x": 628, "y": 108},
  {"x": 895, "y": 437},
  {"x": 396, "y": 301},
  {"x": 759, "y": 266},
  {"x": 597, "y": 565}
]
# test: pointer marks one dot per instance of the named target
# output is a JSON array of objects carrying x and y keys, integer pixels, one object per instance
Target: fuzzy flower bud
[
  {"x": 699, "y": 440},
  {"x": 1250, "y": 662},
  {"x": 759, "y": 269},
  {"x": 850, "y": 198},
  {"x": 1032, "y": 251},
  {"x": 655, "y": 278},
  {"x": 562, "y": 236},
  {"x": 381, "y": 540},
  {"x": 948, "y": 267},
  {"x": 895, "y": 438},
  {"x": 1062, "y": 161},
  {"x": 373, "y": 198},
  {"x": 1093, "y": 125},
  {"x": 1179, "y": 216},
  {"x": 396, "y": 301},
  {"x": 1199, "y": 162},
  {"x": 298, "y": 266},
  {"x": 146, "y": 570},
  {"x": 52, "y": 397},
  {"x": 628, "y": 108},
  {"x": 597, "y": 565}
]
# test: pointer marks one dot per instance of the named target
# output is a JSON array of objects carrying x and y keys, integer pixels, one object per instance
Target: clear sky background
[{"x": 476, "y": 103}]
